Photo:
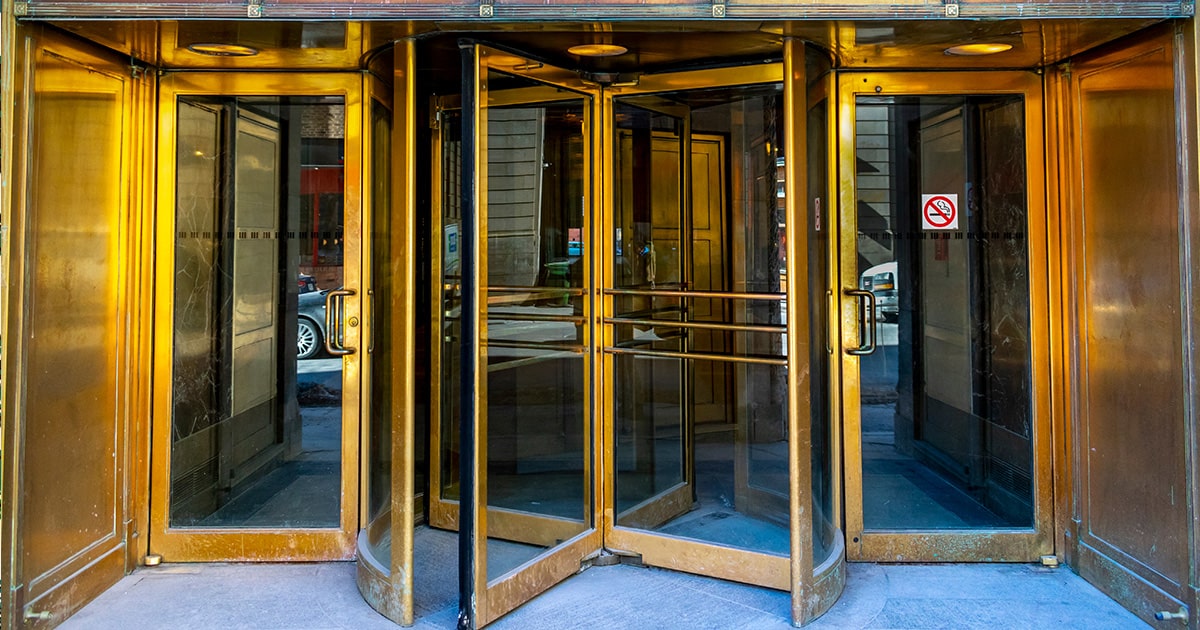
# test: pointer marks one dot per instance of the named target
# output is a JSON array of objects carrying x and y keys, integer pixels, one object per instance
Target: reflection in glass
[
  {"x": 821, "y": 436},
  {"x": 256, "y": 432},
  {"x": 532, "y": 341},
  {"x": 946, "y": 407},
  {"x": 382, "y": 348},
  {"x": 700, "y": 399}
]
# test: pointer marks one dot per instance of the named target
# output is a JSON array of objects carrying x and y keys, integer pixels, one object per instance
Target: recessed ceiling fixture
[
  {"x": 597, "y": 50},
  {"x": 974, "y": 50},
  {"x": 215, "y": 49}
]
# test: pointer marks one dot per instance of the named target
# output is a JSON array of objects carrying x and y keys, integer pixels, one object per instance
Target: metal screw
[{"x": 1164, "y": 615}]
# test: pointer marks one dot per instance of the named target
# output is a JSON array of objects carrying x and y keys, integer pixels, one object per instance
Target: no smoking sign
[{"x": 939, "y": 212}]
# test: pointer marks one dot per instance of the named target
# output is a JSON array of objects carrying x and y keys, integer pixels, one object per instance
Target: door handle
[
  {"x": 335, "y": 322},
  {"x": 371, "y": 320},
  {"x": 866, "y": 322}
]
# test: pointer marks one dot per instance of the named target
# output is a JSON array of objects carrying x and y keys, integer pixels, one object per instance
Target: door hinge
[
  {"x": 610, "y": 557},
  {"x": 44, "y": 615},
  {"x": 254, "y": 8},
  {"x": 718, "y": 8},
  {"x": 486, "y": 9}
]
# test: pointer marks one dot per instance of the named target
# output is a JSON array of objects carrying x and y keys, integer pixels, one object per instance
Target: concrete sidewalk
[{"x": 323, "y": 596}]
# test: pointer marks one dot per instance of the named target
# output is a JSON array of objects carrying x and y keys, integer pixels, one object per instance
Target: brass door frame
[
  {"x": 257, "y": 544},
  {"x": 1015, "y": 544}
]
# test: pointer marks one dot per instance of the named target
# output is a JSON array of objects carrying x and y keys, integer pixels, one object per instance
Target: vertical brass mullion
[
  {"x": 799, "y": 381},
  {"x": 594, "y": 462},
  {"x": 604, "y": 387},
  {"x": 353, "y": 374},
  {"x": 833, "y": 333},
  {"x": 687, "y": 274},
  {"x": 404, "y": 395},
  {"x": 472, "y": 567},
  {"x": 846, "y": 315}
]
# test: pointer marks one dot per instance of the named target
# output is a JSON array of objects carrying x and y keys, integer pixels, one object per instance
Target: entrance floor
[{"x": 323, "y": 596}]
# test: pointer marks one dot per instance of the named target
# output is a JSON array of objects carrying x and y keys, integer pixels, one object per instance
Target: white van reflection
[{"x": 882, "y": 280}]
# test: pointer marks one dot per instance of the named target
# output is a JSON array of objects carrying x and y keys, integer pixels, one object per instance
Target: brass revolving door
[{"x": 628, "y": 340}]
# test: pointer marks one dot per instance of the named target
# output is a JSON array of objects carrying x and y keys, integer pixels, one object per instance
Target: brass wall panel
[
  {"x": 67, "y": 333},
  {"x": 1132, "y": 304}
]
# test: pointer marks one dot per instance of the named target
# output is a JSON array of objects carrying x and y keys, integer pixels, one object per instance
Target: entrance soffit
[{"x": 653, "y": 45}]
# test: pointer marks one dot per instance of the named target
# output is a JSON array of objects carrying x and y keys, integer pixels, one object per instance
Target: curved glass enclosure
[{"x": 629, "y": 283}]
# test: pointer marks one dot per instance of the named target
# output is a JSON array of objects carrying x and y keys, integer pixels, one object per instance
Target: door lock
[{"x": 353, "y": 321}]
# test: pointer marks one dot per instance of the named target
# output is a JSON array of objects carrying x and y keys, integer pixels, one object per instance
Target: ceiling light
[
  {"x": 974, "y": 50},
  {"x": 215, "y": 49},
  {"x": 598, "y": 50}
]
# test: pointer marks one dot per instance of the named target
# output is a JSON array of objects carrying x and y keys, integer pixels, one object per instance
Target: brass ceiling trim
[{"x": 598, "y": 10}]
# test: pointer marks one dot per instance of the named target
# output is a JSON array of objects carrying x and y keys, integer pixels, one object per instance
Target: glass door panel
[
  {"x": 696, "y": 287},
  {"x": 259, "y": 421},
  {"x": 949, "y": 420},
  {"x": 528, "y": 482}
]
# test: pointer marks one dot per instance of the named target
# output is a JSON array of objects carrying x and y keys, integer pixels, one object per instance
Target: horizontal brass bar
[
  {"x": 763, "y": 328},
  {"x": 703, "y": 295},
  {"x": 703, "y": 356}
]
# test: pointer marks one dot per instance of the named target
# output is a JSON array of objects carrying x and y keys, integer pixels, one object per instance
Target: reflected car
[
  {"x": 306, "y": 283},
  {"x": 310, "y": 324},
  {"x": 882, "y": 280}
]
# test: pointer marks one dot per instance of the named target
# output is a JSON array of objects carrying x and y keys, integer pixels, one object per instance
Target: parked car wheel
[{"x": 308, "y": 339}]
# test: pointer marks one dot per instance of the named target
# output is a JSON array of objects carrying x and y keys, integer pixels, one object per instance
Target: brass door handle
[
  {"x": 335, "y": 322},
  {"x": 866, "y": 321}
]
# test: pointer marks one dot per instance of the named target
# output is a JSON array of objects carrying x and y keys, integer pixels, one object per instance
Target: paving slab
[{"x": 323, "y": 596}]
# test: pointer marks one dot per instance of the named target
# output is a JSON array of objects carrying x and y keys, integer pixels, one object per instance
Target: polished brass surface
[
  {"x": 385, "y": 552},
  {"x": 70, "y": 378},
  {"x": 1015, "y": 544},
  {"x": 1129, "y": 333},
  {"x": 799, "y": 412},
  {"x": 244, "y": 543},
  {"x": 8, "y": 110}
]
